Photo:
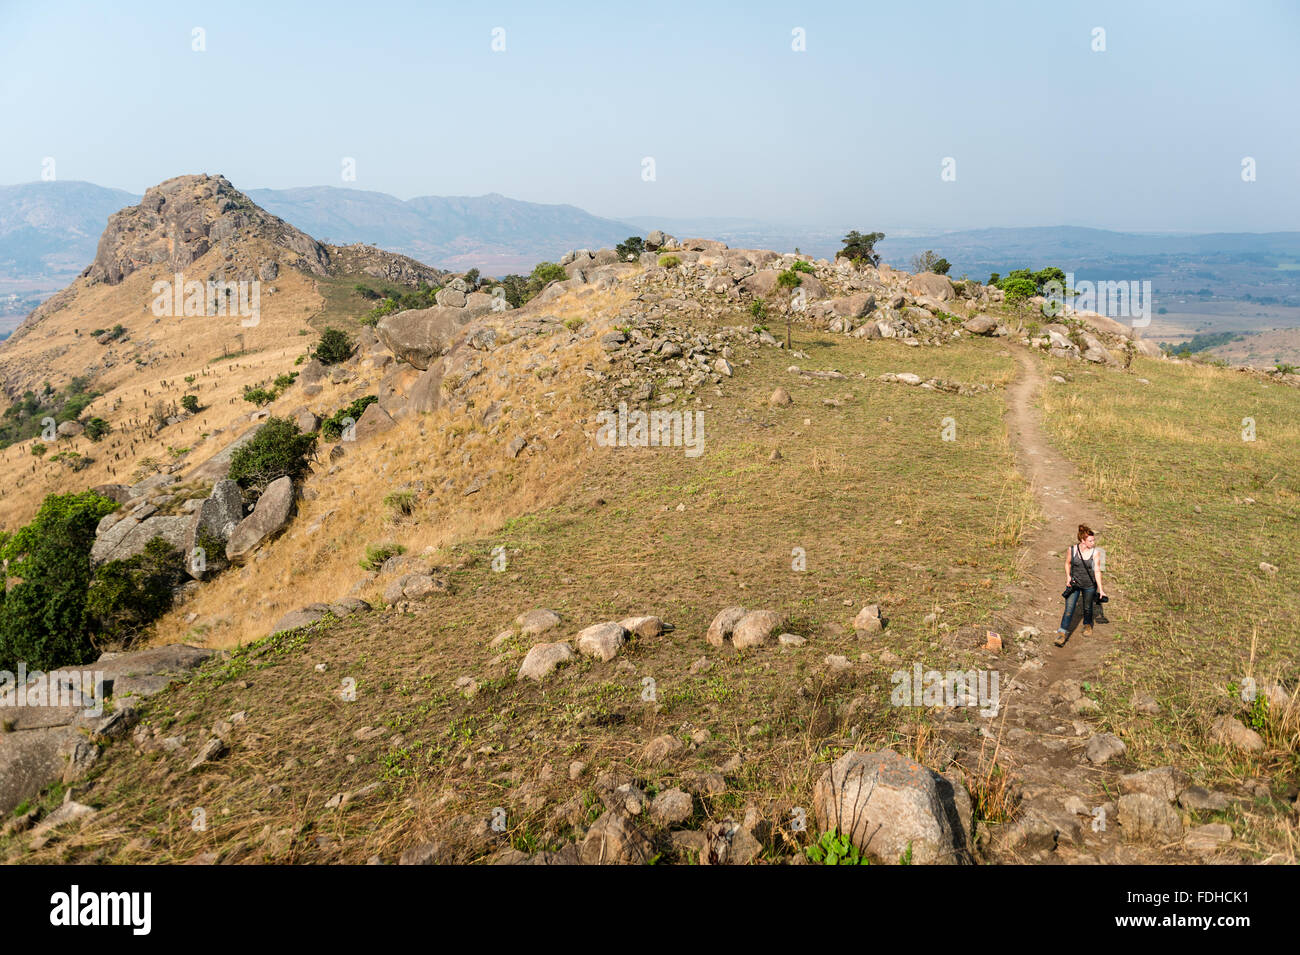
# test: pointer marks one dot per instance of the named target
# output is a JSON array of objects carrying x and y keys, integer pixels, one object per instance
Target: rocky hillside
[
  {"x": 628, "y": 573},
  {"x": 111, "y": 333}
]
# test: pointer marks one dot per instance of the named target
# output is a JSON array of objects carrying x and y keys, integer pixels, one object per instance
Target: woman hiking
[{"x": 1082, "y": 582}]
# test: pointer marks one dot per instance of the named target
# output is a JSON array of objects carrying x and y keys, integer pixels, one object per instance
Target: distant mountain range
[
  {"x": 492, "y": 233},
  {"x": 49, "y": 232},
  {"x": 50, "y": 229}
]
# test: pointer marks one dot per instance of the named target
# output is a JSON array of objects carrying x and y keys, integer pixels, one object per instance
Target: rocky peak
[{"x": 181, "y": 219}]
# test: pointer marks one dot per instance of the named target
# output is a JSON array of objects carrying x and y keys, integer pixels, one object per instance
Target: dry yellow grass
[
  {"x": 308, "y": 566},
  {"x": 180, "y": 346}
]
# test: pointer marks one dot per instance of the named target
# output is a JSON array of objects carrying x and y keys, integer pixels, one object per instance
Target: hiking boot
[
  {"x": 1061, "y": 637},
  {"x": 1087, "y": 629}
]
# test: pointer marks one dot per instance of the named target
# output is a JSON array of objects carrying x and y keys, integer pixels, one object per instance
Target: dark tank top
[{"x": 1079, "y": 568}]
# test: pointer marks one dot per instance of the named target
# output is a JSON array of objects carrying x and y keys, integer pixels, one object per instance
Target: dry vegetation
[
  {"x": 1195, "y": 510},
  {"x": 886, "y": 511}
]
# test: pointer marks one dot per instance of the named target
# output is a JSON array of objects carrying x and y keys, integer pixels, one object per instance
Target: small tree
[
  {"x": 279, "y": 448},
  {"x": 335, "y": 346},
  {"x": 190, "y": 403},
  {"x": 547, "y": 272},
  {"x": 43, "y": 617},
  {"x": 96, "y": 428},
  {"x": 861, "y": 248},
  {"x": 471, "y": 279},
  {"x": 128, "y": 595},
  {"x": 630, "y": 248},
  {"x": 928, "y": 261}
]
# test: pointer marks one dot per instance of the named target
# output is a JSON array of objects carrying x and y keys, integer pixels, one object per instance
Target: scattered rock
[
  {"x": 1165, "y": 783},
  {"x": 1103, "y": 747},
  {"x": 756, "y": 628},
  {"x": 868, "y": 620},
  {"x": 214, "y": 748},
  {"x": 1199, "y": 799},
  {"x": 1207, "y": 838},
  {"x": 1233, "y": 733},
  {"x": 672, "y": 806},
  {"x": 613, "y": 839},
  {"x": 601, "y": 640},
  {"x": 534, "y": 622},
  {"x": 887, "y": 803},
  {"x": 1146, "y": 818},
  {"x": 543, "y": 658},
  {"x": 661, "y": 749}
]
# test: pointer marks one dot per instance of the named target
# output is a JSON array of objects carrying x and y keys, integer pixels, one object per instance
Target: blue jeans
[{"x": 1087, "y": 595}]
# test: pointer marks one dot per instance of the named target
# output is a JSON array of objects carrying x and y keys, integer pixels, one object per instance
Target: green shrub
[
  {"x": 43, "y": 617},
  {"x": 331, "y": 429},
  {"x": 335, "y": 346},
  {"x": 669, "y": 261},
  {"x": 544, "y": 273},
  {"x": 260, "y": 395},
  {"x": 39, "y": 449},
  {"x": 630, "y": 248},
  {"x": 24, "y": 418},
  {"x": 126, "y": 596},
  {"x": 278, "y": 449},
  {"x": 834, "y": 848},
  {"x": 801, "y": 266},
  {"x": 96, "y": 428},
  {"x": 789, "y": 279},
  {"x": 190, "y": 403},
  {"x": 401, "y": 503},
  {"x": 861, "y": 248},
  {"x": 1018, "y": 289},
  {"x": 376, "y": 554}
]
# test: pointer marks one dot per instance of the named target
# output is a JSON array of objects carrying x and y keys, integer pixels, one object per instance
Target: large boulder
[
  {"x": 760, "y": 284},
  {"x": 980, "y": 324},
  {"x": 374, "y": 420},
  {"x": 541, "y": 661},
  {"x": 888, "y": 804},
  {"x": 29, "y": 761},
  {"x": 426, "y": 394},
  {"x": 34, "y": 752},
  {"x": 129, "y": 536},
  {"x": 269, "y": 517},
  {"x": 219, "y": 515},
  {"x": 601, "y": 640},
  {"x": 931, "y": 285},
  {"x": 419, "y": 336},
  {"x": 218, "y": 466},
  {"x": 1147, "y": 818},
  {"x": 853, "y": 306}
]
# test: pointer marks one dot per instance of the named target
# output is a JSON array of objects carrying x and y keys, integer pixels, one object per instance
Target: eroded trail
[{"x": 1043, "y": 731}]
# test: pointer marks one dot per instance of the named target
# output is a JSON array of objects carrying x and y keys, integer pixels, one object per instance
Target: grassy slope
[
  {"x": 1199, "y": 615},
  {"x": 885, "y": 510}
]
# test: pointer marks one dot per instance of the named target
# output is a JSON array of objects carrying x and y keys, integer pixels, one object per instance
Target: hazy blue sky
[{"x": 1148, "y": 135}]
